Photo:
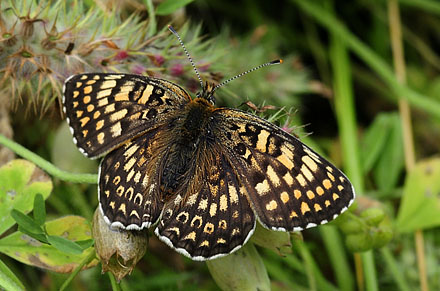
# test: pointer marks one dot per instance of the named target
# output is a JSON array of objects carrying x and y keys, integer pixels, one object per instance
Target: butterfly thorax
[{"x": 189, "y": 129}]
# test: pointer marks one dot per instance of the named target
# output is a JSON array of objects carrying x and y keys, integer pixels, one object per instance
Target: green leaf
[
  {"x": 64, "y": 245},
  {"x": 40, "y": 237},
  {"x": 20, "y": 181},
  {"x": 420, "y": 205},
  {"x": 39, "y": 209},
  {"x": 26, "y": 222},
  {"x": 8, "y": 280},
  {"x": 169, "y": 6},
  {"x": 29, "y": 251},
  {"x": 391, "y": 163},
  {"x": 374, "y": 141},
  {"x": 85, "y": 244}
]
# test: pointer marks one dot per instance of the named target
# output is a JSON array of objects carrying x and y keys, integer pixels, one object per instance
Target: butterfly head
[{"x": 208, "y": 92}]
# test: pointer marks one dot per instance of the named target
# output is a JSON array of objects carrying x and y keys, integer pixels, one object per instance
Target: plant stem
[
  {"x": 47, "y": 166},
  {"x": 405, "y": 114},
  {"x": 75, "y": 272}
]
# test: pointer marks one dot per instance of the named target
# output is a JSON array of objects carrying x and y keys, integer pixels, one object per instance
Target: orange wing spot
[
  {"x": 100, "y": 137},
  {"x": 96, "y": 114},
  {"x": 288, "y": 178},
  {"x": 83, "y": 77},
  {"x": 75, "y": 94},
  {"x": 78, "y": 84},
  {"x": 116, "y": 180},
  {"x": 327, "y": 184},
  {"x": 273, "y": 176},
  {"x": 75, "y": 104},
  {"x": 301, "y": 180},
  {"x": 112, "y": 204},
  {"x": 340, "y": 187},
  {"x": 327, "y": 203},
  {"x": 84, "y": 121},
  {"x": 310, "y": 194},
  {"x": 122, "y": 208},
  {"x": 87, "y": 99},
  {"x": 284, "y": 197},
  {"x": 342, "y": 179},
  {"x": 293, "y": 214},
  {"x": 272, "y": 205},
  {"x": 85, "y": 132},
  {"x": 90, "y": 82},
  {"x": 205, "y": 243},
  {"x": 235, "y": 231},
  {"x": 87, "y": 89},
  {"x": 221, "y": 241},
  {"x": 335, "y": 196},
  {"x": 90, "y": 108},
  {"x": 306, "y": 172},
  {"x": 99, "y": 124},
  {"x": 79, "y": 113},
  {"x": 190, "y": 236},
  {"x": 263, "y": 187},
  {"x": 297, "y": 194},
  {"x": 317, "y": 207},
  {"x": 319, "y": 190},
  {"x": 262, "y": 141},
  {"x": 328, "y": 168},
  {"x": 310, "y": 163},
  {"x": 304, "y": 208}
]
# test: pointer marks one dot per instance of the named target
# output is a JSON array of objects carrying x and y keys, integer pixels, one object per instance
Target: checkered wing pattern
[
  {"x": 212, "y": 217},
  {"x": 105, "y": 110},
  {"x": 289, "y": 186},
  {"x": 129, "y": 195}
]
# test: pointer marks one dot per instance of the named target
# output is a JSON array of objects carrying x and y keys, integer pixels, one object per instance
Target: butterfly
[{"x": 202, "y": 176}]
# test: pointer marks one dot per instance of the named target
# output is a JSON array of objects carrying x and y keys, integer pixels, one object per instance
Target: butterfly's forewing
[
  {"x": 105, "y": 110},
  {"x": 289, "y": 185},
  {"x": 212, "y": 217}
]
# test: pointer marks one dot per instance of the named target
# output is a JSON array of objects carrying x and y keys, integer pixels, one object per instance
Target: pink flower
[
  {"x": 121, "y": 55},
  {"x": 138, "y": 69},
  {"x": 159, "y": 60},
  {"x": 176, "y": 70}
]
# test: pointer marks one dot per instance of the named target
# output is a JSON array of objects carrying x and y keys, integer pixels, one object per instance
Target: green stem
[
  {"x": 84, "y": 262},
  {"x": 394, "y": 269},
  {"x": 345, "y": 114},
  {"x": 45, "y": 165}
]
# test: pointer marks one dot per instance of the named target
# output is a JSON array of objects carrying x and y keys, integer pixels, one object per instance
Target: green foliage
[{"x": 420, "y": 205}]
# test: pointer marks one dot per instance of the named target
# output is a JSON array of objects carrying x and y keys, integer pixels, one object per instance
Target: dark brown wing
[
  {"x": 212, "y": 217},
  {"x": 289, "y": 186},
  {"x": 106, "y": 110},
  {"x": 129, "y": 195}
]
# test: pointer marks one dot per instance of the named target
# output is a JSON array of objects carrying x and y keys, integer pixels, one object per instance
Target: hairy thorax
[{"x": 190, "y": 128}]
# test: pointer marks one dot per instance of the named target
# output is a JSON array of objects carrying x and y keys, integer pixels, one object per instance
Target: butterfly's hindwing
[
  {"x": 105, "y": 110},
  {"x": 128, "y": 183},
  {"x": 212, "y": 217},
  {"x": 290, "y": 186}
]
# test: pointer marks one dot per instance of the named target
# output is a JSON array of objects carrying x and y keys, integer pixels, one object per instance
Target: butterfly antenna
[
  {"x": 275, "y": 62},
  {"x": 187, "y": 54}
]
